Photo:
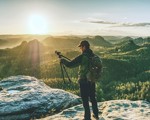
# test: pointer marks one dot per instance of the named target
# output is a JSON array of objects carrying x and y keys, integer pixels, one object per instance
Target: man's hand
[{"x": 62, "y": 60}]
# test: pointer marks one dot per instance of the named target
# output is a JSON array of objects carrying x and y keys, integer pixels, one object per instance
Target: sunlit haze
[
  {"x": 38, "y": 24},
  {"x": 75, "y": 17}
]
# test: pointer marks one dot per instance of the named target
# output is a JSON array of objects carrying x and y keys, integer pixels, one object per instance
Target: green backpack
[{"x": 95, "y": 68}]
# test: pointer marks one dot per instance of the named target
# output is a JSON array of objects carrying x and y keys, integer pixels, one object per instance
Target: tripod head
[{"x": 58, "y": 53}]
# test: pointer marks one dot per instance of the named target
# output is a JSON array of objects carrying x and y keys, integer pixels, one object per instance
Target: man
[{"x": 87, "y": 88}]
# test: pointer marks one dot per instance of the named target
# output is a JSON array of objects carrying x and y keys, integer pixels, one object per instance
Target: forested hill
[
  {"x": 72, "y": 42},
  {"x": 125, "y": 75}
]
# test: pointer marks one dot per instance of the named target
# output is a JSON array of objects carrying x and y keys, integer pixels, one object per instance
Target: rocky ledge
[
  {"x": 109, "y": 110},
  {"x": 25, "y": 97}
]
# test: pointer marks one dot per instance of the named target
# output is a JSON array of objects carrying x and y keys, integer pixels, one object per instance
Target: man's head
[{"x": 84, "y": 45}]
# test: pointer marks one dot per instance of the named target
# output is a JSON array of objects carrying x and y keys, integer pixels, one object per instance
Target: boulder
[
  {"x": 108, "y": 110},
  {"x": 25, "y": 97}
]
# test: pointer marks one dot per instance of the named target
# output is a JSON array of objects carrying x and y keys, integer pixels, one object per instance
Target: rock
[
  {"x": 109, "y": 110},
  {"x": 25, "y": 97}
]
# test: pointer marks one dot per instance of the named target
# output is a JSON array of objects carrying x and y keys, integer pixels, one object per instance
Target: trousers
[{"x": 87, "y": 91}]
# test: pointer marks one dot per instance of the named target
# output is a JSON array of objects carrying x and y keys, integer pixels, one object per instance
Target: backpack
[{"x": 95, "y": 68}]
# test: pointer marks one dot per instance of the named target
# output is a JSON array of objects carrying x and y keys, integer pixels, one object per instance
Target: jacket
[{"x": 82, "y": 61}]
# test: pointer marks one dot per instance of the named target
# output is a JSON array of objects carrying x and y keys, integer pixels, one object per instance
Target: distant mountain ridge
[
  {"x": 72, "y": 42},
  {"x": 33, "y": 46},
  {"x": 124, "y": 40},
  {"x": 128, "y": 46},
  {"x": 100, "y": 41},
  {"x": 25, "y": 49},
  {"x": 138, "y": 41},
  {"x": 4, "y": 43},
  {"x": 10, "y": 41},
  {"x": 141, "y": 40}
]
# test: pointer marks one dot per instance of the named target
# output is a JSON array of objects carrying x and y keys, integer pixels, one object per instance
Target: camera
[{"x": 58, "y": 53}]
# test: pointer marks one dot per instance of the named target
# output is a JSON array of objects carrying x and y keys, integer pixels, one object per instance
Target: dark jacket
[{"x": 82, "y": 61}]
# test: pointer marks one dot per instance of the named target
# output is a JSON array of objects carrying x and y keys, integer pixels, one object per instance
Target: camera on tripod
[
  {"x": 58, "y": 53},
  {"x": 63, "y": 69}
]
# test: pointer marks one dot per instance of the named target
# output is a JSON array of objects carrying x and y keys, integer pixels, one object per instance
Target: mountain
[
  {"x": 100, "y": 41},
  {"x": 25, "y": 58},
  {"x": 112, "y": 39},
  {"x": 127, "y": 45},
  {"x": 124, "y": 40},
  {"x": 62, "y": 42},
  {"x": 33, "y": 46},
  {"x": 147, "y": 39},
  {"x": 9, "y": 42},
  {"x": 72, "y": 42},
  {"x": 139, "y": 40},
  {"x": 142, "y": 52}
]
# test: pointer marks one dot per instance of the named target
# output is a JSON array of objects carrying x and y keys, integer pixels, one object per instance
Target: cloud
[
  {"x": 102, "y": 22},
  {"x": 90, "y": 20},
  {"x": 117, "y": 24},
  {"x": 135, "y": 24}
]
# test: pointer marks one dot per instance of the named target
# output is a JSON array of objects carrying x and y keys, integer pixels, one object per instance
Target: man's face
[{"x": 82, "y": 48}]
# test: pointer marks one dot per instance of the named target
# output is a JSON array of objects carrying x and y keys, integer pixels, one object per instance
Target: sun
[{"x": 38, "y": 24}]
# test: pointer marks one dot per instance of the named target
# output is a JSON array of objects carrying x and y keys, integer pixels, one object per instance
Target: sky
[{"x": 75, "y": 17}]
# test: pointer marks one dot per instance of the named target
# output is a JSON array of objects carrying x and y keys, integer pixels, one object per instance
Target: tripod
[{"x": 63, "y": 68}]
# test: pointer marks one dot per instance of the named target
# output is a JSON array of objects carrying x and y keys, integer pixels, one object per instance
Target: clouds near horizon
[{"x": 118, "y": 24}]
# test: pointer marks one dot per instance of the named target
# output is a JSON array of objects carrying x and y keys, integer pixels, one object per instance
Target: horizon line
[{"x": 73, "y": 35}]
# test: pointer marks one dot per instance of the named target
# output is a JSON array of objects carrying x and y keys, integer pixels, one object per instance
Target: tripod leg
[
  {"x": 61, "y": 66},
  {"x": 66, "y": 73}
]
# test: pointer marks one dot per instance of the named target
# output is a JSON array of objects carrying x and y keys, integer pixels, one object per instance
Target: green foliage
[
  {"x": 100, "y": 92},
  {"x": 126, "y": 72},
  {"x": 72, "y": 87},
  {"x": 132, "y": 90}
]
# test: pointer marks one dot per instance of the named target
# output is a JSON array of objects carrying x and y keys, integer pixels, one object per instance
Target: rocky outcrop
[
  {"x": 25, "y": 97},
  {"x": 109, "y": 110}
]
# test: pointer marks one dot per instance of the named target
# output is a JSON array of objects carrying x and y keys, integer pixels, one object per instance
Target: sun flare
[{"x": 38, "y": 24}]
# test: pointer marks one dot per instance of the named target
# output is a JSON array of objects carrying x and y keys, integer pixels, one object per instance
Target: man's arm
[{"x": 73, "y": 63}]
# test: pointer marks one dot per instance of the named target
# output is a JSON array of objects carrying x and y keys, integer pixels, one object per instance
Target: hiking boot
[
  {"x": 86, "y": 119},
  {"x": 96, "y": 117}
]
